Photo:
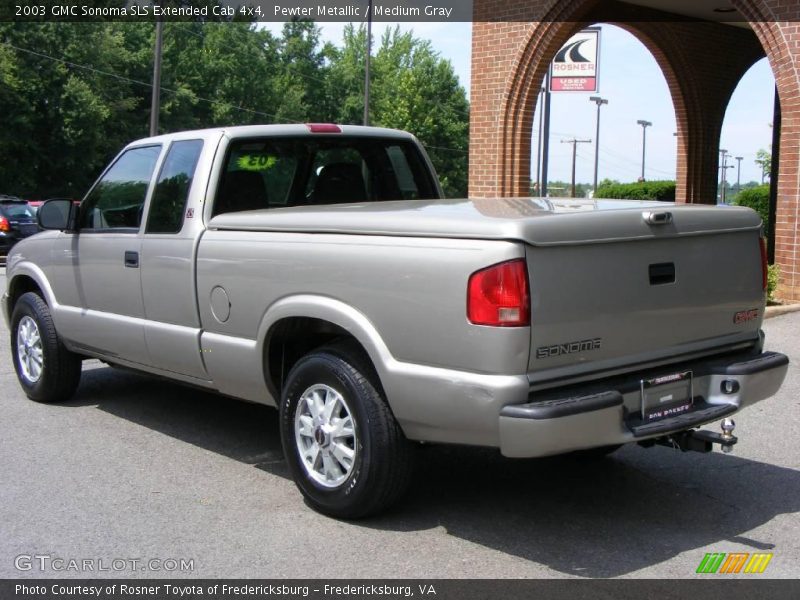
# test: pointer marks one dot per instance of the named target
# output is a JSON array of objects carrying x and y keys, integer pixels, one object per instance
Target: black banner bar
[
  {"x": 342, "y": 11},
  {"x": 713, "y": 588}
]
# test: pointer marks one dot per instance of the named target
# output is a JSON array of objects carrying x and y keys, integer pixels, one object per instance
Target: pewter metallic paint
[{"x": 394, "y": 275}]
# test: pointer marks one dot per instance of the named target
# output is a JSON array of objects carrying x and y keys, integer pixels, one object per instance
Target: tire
[
  {"x": 46, "y": 370},
  {"x": 347, "y": 472}
]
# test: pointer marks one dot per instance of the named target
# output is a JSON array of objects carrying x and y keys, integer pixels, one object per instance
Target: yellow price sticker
[{"x": 256, "y": 162}]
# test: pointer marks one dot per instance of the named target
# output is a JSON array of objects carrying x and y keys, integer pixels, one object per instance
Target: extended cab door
[
  {"x": 174, "y": 224},
  {"x": 96, "y": 275}
]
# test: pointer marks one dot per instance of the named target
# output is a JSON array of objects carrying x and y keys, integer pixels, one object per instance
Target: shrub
[
  {"x": 773, "y": 277},
  {"x": 756, "y": 198},
  {"x": 643, "y": 190}
]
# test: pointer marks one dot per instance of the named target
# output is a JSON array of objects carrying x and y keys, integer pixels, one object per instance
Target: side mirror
[{"x": 57, "y": 214}]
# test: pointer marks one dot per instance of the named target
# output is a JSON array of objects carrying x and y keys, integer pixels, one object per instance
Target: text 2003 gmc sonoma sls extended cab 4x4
[{"x": 317, "y": 269}]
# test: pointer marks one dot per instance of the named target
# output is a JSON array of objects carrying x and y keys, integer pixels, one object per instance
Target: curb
[{"x": 776, "y": 311}]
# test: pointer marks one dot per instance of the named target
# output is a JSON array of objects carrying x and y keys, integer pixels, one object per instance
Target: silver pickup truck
[{"x": 318, "y": 270}]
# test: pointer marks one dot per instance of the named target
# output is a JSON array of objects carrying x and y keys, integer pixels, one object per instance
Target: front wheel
[
  {"x": 344, "y": 448},
  {"x": 46, "y": 370}
]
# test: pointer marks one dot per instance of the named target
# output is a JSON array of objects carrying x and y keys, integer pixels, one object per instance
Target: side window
[
  {"x": 117, "y": 201},
  {"x": 172, "y": 190}
]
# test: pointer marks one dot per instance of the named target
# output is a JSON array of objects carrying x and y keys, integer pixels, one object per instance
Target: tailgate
[{"x": 691, "y": 286}]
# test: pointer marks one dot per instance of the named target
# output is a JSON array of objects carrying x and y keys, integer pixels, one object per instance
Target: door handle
[{"x": 131, "y": 259}]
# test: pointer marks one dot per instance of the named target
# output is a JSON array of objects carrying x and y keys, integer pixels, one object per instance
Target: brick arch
[
  {"x": 697, "y": 113},
  {"x": 527, "y": 75},
  {"x": 532, "y": 58}
]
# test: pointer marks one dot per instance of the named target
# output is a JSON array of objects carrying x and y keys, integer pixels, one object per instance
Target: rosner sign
[{"x": 575, "y": 67}]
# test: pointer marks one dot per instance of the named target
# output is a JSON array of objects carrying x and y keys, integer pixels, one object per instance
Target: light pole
[
  {"x": 599, "y": 101},
  {"x": 739, "y": 160},
  {"x": 645, "y": 125}
]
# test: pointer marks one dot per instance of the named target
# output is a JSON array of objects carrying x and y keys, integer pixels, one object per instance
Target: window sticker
[{"x": 256, "y": 162}]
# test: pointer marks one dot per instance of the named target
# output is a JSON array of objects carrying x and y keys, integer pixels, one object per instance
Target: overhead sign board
[{"x": 575, "y": 67}]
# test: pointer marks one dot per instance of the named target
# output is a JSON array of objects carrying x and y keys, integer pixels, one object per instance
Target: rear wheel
[
  {"x": 344, "y": 448},
  {"x": 46, "y": 370}
]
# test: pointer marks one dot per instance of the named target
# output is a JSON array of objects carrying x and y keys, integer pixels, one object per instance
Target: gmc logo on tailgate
[{"x": 743, "y": 316}]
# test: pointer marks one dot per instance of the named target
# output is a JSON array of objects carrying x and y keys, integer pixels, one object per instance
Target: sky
[{"x": 633, "y": 83}]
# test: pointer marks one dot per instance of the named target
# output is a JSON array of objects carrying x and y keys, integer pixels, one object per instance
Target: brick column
[{"x": 777, "y": 25}]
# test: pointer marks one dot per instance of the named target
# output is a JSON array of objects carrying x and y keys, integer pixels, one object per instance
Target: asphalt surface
[{"x": 137, "y": 468}]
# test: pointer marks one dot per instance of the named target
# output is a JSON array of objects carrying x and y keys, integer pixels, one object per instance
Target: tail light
[
  {"x": 498, "y": 295},
  {"x": 764, "y": 267},
  {"x": 4, "y": 224}
]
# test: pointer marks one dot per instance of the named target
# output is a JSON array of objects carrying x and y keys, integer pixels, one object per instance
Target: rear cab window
[{"x": 278, "y": 172}]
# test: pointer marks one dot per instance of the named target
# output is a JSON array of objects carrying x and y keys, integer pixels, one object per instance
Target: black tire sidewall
[
  {"x": 47, "y": 386},
  {"x": 359, "y": 394}
]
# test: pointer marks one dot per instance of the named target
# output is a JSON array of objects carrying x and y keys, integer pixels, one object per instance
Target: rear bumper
[{"x": 606, "y": 412}]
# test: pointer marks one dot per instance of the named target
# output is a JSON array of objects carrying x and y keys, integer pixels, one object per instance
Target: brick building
[{"x": 514, "y": 41}]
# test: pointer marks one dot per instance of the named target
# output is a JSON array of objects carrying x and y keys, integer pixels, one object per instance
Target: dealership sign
[{"x": 575, "y": 67}]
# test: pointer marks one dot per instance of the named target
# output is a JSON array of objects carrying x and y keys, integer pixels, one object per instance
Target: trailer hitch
[{"x": 702, "y": 440}]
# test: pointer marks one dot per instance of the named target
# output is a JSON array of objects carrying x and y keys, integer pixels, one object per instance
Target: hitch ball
[{"x": 727, "y": 425}]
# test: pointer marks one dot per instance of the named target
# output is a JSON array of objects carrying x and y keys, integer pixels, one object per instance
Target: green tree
[
  {"x": 58, "y": 116},
  {"x": 412, "y": 88},
  {"x": 72, "y": 94},
  {"x": 416, "y": 90},
  {"x": 764, "y": 160},
  {"x": 301, "y": 82}
]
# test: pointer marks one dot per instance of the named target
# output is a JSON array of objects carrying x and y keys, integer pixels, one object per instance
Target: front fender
[{"x": 16, "y": 271}]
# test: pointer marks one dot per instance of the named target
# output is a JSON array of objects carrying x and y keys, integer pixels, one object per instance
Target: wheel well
[
  {"x": 22, "y": 284},
  {"x": 292, "y": 338}
]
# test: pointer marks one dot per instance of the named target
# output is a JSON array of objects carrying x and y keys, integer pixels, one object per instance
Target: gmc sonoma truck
[{"x": 317, "y": 269}]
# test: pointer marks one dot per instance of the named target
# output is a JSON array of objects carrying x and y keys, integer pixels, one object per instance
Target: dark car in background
[{"x": 17, "y": 221}]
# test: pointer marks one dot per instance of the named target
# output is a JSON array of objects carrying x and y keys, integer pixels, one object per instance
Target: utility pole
[
  {"x": 155, "y": 102},
  {"x": 366, "y": 63},
  {"x": 574, "y": 143},
  {"x": 739, "y": 160},
  {"x": 599, "y": 101},
  {"x": 645, "y": 125}
]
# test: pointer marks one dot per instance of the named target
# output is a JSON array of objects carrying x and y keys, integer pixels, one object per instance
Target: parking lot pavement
[{"x": 137, "y": 468}]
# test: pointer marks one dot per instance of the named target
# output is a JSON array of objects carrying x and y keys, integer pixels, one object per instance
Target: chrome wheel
[
  {"x": 29, "y": 349},
  {"x": 325, "y": 435}
]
